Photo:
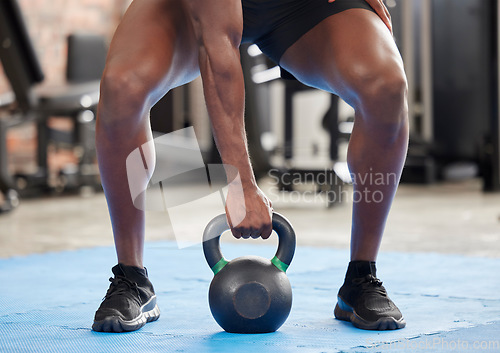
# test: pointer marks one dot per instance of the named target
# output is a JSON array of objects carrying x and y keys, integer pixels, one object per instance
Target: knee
[
  {"x": 123, "y": 97},
  {"x": 382, "y": 97}
]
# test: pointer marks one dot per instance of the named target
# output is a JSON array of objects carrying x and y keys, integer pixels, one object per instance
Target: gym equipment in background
[
  {"x": 277, "y": 139},
  {"x": 76, "y": 100},
  {"x": 294, "y": 131},
  {"x": 249, "y": 294},
  {"x": 451, "y": 55}
]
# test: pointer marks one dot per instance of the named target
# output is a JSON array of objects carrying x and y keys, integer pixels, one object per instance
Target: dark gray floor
[{"x": 446, "y": 218}]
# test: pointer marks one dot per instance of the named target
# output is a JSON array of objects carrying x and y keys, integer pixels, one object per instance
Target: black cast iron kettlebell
[{"x": 249, "y": 294}]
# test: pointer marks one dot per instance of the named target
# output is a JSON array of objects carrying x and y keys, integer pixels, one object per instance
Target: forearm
[
  {"x": 225, "y": 96},
  {"x": 219, "y": 26}
]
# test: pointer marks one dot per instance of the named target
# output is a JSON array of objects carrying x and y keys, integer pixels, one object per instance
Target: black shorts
[{"x": 274, "y": 25}]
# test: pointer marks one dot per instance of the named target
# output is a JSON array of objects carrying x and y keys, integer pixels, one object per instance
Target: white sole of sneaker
[
  {"x": 382, "y": 324},
  {"x": 149, "y": 312}
]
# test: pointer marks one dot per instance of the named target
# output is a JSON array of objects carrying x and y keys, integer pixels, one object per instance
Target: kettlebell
[{"x": 249, "y": 294}]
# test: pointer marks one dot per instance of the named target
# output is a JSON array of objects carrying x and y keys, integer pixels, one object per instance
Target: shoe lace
[
  {"x": 122, "y": 286},
  {"x": 370, "y": 284}
]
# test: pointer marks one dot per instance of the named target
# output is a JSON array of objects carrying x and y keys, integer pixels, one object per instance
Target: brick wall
[{"x": 50, "y": 21}]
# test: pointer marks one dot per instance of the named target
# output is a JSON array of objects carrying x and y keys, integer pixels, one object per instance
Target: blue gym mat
[{"x": 47, "y": 303}]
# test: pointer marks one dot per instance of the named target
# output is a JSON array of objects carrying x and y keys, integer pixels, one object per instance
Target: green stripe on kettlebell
[
  {"x": 279, "y": 264},
  {"x": 220, "y": 265}
]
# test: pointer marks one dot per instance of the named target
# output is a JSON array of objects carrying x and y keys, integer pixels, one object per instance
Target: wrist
[{"x": 240, "y": 175}]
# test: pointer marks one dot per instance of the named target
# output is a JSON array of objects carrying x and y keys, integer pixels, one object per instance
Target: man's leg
[
  {"x": 353, "y": 54},
  {"x": 153, "y": 50}
]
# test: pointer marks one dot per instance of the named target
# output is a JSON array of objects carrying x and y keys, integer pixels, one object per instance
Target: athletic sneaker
[
  {"x": 130, "y": 301},
  {"x": 363, "y": 300}
]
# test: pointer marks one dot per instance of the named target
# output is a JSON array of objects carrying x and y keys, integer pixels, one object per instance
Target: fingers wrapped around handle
[{"x": 218, "y": 225}]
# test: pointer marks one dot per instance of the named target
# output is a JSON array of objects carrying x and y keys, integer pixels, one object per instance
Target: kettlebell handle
[{"x": 218, "y": 225}]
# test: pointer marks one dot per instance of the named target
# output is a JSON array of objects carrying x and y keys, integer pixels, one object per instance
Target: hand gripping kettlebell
[{"x": 249, "y": 294}]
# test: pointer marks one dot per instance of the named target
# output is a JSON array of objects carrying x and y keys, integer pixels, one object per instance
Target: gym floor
[
  {"x": 440, "y": 260},
  {"x": 452, "y": 218}
]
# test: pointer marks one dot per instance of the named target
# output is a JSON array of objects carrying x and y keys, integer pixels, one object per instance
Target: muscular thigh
[
  {"x": 343, "y": 52},
  {"x": 155, "y": 42}
]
